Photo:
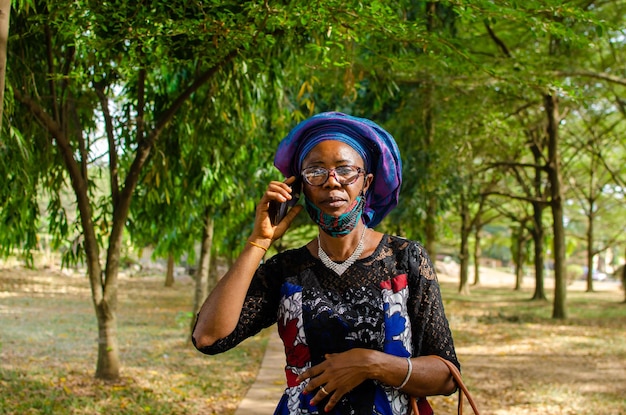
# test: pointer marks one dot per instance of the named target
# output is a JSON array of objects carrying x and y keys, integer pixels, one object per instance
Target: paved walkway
[{"x": 270, "y": 383}]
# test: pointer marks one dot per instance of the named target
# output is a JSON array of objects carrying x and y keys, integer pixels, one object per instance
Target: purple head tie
[{"x": 377, "y": 147}]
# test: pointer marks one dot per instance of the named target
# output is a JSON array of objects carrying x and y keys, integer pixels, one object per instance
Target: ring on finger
[{"x": 324, "y": 390}]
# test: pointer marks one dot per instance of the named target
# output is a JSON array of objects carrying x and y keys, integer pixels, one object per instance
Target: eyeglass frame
[{"x": 333, "y": 171}]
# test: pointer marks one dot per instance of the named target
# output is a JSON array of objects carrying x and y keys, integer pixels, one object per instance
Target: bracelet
[
  {"x": 408, "y": 374},
  {"x": 257, "y": 245}
]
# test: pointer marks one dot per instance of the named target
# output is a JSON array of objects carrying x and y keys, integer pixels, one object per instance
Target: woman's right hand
[{"x": 264, "y": 231}]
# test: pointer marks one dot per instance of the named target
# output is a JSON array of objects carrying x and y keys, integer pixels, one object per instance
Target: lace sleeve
[
  {"x": 259, "y": 310},
  {"x": 431, "y": 332}
]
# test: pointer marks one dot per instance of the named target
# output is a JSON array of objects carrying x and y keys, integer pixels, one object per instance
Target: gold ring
[{"x": 324, "y": 390}]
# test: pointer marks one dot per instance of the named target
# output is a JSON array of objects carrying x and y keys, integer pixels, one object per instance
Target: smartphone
[{"x": 277, "y": 210}]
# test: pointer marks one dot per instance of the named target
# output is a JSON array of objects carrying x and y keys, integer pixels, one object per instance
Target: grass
[
  {"x": 515, "y": 358},
  {"x": 48, "y": 351}
]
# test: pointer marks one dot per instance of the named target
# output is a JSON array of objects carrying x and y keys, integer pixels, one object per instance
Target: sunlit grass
[
  {"x": 48, "y": 352},
  {"x": 517, "y": 359}
]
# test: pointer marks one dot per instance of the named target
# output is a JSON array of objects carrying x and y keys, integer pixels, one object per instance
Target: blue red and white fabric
[
  {"x": 376, "y": 146},
  {"x": 291, "y": 327}
]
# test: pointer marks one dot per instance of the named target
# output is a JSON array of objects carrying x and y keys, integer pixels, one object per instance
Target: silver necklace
[{"x": 341, "y": 267}]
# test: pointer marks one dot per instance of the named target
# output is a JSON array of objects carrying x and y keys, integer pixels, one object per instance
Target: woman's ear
[{"x": 367, "y": 182}]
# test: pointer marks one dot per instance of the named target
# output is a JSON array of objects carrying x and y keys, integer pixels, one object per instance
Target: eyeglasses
[{"x": 345, "y": 175}]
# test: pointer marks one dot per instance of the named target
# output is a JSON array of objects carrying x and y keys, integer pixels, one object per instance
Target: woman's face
[{"x": 332, "y": 197}]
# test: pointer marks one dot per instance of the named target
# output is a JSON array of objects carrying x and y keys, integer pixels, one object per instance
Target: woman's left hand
[{"x": 337, "y": 375}]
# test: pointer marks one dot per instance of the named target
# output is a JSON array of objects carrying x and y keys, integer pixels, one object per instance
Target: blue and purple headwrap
[{"x": 375, "y": 145}]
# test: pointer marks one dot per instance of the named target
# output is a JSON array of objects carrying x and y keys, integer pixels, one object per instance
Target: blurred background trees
[{"x": 153, "y": 125}]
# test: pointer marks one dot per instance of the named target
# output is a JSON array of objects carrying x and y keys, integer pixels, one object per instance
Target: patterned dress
[{"x": 389, "y": 301}]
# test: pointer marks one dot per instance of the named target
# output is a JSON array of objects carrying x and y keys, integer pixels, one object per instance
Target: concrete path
[{"x": 270, "y": 383}]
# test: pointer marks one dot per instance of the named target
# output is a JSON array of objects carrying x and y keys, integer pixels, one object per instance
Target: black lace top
[{"x": 389, "y": 301}]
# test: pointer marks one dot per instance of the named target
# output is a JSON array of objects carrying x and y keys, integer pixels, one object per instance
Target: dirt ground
[
  {"x": 529, "y": 365},
  {"x": 514, "y": 362}
]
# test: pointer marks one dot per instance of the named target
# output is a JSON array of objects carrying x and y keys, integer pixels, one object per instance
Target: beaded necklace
[{"x": 341, "y": 267}]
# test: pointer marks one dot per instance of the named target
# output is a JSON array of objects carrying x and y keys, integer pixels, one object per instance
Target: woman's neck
[{"x": 340, "y": 248}]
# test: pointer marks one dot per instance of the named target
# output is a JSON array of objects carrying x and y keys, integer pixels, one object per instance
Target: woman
[{"x": 359, "y": 312}]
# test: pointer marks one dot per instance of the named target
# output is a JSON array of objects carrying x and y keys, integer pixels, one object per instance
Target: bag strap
[
  {"x": 415, "y": 409},
  {"x": 419, "y": 406},
  {"x": 462, "y": 388}
]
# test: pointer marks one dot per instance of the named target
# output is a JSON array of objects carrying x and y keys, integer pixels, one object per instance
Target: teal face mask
[{"x": 336, "y": 225}]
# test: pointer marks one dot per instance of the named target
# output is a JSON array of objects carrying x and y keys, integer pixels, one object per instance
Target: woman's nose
[{"x": 332, "y": 174}]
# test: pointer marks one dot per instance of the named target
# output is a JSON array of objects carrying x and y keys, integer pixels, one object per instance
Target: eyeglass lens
[{"x": 317, "y": 176}]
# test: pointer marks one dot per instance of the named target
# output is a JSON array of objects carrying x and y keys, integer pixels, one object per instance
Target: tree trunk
[
  {"x": 538, "y": 235},
  {"x": 108, "y": 365},
  {"x": 213, "y": 273},
  {"x": 5, "y": 16},
  {"x": 477, "y": 254},
  {"x": 429, "y": 139},
  {"x": 202, "y": 273},
  {"x": 431, "y": 228},
  {"x": 601, "y": 263},
  {"x": 519, "y": 258},
  {"x": 538, "y": 230},
  {"x": 464, "y": 250},
  {"x": 559, "y": 310},
  {"x": 169, "y": 273},
  {"x": 104, "y": 297},
  {"x": 624, "y": 276},
  {"x": 590, "y": 255}
]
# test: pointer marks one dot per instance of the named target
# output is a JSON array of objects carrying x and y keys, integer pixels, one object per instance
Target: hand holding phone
[{"x": 278, "y": 210}]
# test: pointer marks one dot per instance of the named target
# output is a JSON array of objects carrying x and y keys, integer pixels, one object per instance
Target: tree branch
[
  {"x": 508, "y": 164},
  {"x": 108, "y": 126},
  {"x": 522, "y": 198},
  {"x": 498, "y": 41},
  {"x": 51, "y": 83},
  {"x": 145, "y": 146},
  {"x": 141, "y": 103},
  {"x": 78, "y": 184},
  {"x": 597, "y": 75}
]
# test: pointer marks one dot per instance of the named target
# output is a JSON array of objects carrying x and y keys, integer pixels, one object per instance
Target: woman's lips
[{"x": 334, "y": 202}]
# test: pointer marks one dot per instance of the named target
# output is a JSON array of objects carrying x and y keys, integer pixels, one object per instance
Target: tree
[
  {"x": 552, "y": 46},
  {"x": 89, "y": 51},
  {"x": 484, "y": 216},
  {"x": 130, "y": 69},
  {"x": 123, "y": 74},
  {"x": 591, "y": 178},
  {"x": 472, "y": 205},
  {"x": 553, "y": 167}
]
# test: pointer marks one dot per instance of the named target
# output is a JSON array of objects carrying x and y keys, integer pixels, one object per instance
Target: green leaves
[{"x": 200, "y": 93}]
